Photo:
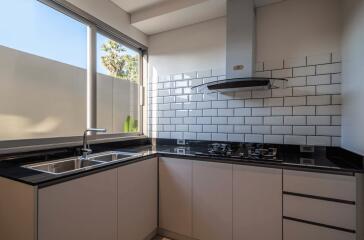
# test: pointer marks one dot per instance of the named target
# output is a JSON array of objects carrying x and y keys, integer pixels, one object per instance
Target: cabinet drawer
[
  {"x": 293, "y": 230},
  {"x": 320, "y": 184},
  {"x": 320, "y": 211}
]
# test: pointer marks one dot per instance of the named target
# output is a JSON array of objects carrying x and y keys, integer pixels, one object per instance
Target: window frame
[{"x": 98, "y": 26}]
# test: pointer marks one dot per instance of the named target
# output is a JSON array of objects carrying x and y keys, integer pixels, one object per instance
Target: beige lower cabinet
[
  {"x": 175, "y": 195},
  {"x": 257, "y": 203},
  {"x": 137, "y": 200},
  {"x": 84, "y": 208},
  {"x": 212, "y": 201}
]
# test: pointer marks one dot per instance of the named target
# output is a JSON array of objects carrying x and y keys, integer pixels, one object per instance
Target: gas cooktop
[{"x": 248, "y": 151}]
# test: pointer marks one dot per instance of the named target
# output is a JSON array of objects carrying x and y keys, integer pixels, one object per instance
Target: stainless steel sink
[
  {"x": 78, "y": 164},
  {"x": 112, "y": 156},
  {"x": 69, "y": 165}
]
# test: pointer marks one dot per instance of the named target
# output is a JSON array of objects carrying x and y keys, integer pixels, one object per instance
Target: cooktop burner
[{"x": 261, "y": 152}]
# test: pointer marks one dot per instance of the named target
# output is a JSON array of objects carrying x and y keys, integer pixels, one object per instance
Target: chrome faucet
[{"x": 86, "y": 147}]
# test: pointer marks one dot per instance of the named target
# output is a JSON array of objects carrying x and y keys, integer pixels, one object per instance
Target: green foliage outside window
[{"x": 130, "y": 125}]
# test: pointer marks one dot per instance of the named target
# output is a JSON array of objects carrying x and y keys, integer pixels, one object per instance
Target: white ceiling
[{"x": 155, "y": 16}]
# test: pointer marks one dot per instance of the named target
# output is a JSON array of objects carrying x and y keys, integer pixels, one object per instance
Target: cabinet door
[
  {"x": 84, "y": 208},
  {"x": 257, "y": 203},
  {"x": 137, "y": 200},
  {"x": 212, "y": 200},
  {"x": 175, "y": 195}
]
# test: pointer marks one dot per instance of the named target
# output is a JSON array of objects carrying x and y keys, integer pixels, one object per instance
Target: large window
[{"x": 43, "y": 75}]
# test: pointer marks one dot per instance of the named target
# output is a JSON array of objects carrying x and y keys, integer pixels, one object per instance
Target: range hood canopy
[{"x": 240, "y": 51}]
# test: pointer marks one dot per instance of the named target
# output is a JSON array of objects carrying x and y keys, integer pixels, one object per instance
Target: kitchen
[{"x": 201, "y": 119}]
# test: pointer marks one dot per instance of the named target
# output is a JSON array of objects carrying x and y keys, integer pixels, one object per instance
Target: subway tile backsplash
[{"x": 307, "y": 110}]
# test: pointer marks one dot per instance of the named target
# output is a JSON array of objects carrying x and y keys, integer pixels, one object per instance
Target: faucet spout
[{"x": 86, "y": 149}]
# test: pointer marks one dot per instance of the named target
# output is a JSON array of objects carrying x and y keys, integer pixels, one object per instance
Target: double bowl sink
[{"x": 77, "y": 164}]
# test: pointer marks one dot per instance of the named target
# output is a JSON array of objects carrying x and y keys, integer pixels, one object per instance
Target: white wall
[
  {"x": 353, "y": 77},
  {"x": 197, "y": 47},
  {"x": 111, "y": 14},
  {"x": 295, "y": 28},
  {"x": 292, "y": 28}
]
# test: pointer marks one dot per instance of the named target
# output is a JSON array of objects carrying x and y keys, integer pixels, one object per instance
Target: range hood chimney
[
  {"x": 240, "y": 51},
  {"x": 240, "y": 41}
]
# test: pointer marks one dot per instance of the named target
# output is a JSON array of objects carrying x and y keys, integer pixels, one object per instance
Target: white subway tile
[
  {"x": 219, "y": 104},
  {"x": 169, "y": 113},
  {"x": 182, "y": 98},
  {"x": 195, "y": 128},
  {"x": 336, "y": 99},
  {"x": 254, "y": 120},
  {"x": 336, "y": 57},
  {"x": 304, "y": 91},
  {"x": 210, "y": 79},
  {"x": 209, "y": 128},
  {"x": 225, "y": 128},
  {"x": 180, "y": 84},
  {"x": 266, "y": 74},
  {"x": 196, "y": 97},
  {"x": 318, "y": 141},
  {"x": 273, "y": 139},
  {"x": 282, "y": 92},
  {"x": 328, "y": 110},
  {"x": 318, "y": 80},
  {"x": 181, "y": 128},
  {"x": 261, "y": 111},
  {"x": 304, "y": 71},
  {"x": 195, "y": 82},
  {"x": 319, "y": 59},
  {"x": 294, "y": 120},
  {"x": 297, "y": 140},
  {"x": 273, "y": 102},
  {"x": 166, "y": 78},
  {"x": 254, "y": 138},
  {"x": 328, "y": 89},
  {"x": 304, "y": 130},
  {"x": 242, "y": 129},
  {"x": 329, "y": 131},
  {"x": 194, "y": 113},
  {"x": 262, "y": 129},
  {"x": 318, "y": 120},
  {"x": 242, "y": 112},
  {"x": 177, "y": 91},
  {"x": 219, "y": 120},
  {"x": 204, "y": 136},
  {"x": 189, "y": 105},
  {"x": 176, "y": 106},
  {"x": 273, "y": 120},
  {"x": 282, "y": 129},
  {"x": 177, "y": 120},
  {"x": 282, "y": 73},
  {"x": 281, "y": 111},
  {"x": 204, "y": 120},
  {"x": 295, "y": 62},
  {"x": 296, "y": 82},
  {"x": 294, "y": 101},
  {"x": 190, "y": 75},
  {"x": 336, "y": 120},
  {"x": 318, "y": 100},
  {"x": 336, "y": 78},
  {"x": 177, "y": 135},
  {"x": 273, "y": 64},
  {"x": 235, "y": 103},
  {"x": 236, "y": 120},
  {"x": 163, "y": 92},
  {"x": 219, "y": 137},
  {"x": 164, "y": 120},
  {"x": 236, "y": 137},
  {"x": 336, "y": 141},
  {"x": 169, "y": 99},
  {"x": 262, "y": 93},
  {"x": 210, "y": 96},
  {"x": 329, "y": 68},
  {"x": 177, "y": 77},
  {"x": 164, "y": 135},
  {"x": 181, "y": 113},
  {"x": 210, "y": 112},
  {"x": 189, "y": 120},
  {"x": 225, "y": 96},
  {"x": 203, "y": 105},
  {"x": 243, "y": 95},
  {"x": 304, "y": 110},
  {"x": 254, "y": 103},
  {"x": 225, "y": 112},
  {"x": 189, "y": 135},
  {"x": 165, "y": 106}
]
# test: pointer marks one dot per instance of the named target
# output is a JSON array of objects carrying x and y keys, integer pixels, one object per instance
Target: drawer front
[
  {"x": 320, "y": 184},
  {"x": 320, "y": 211},
  {"x": 293, "y": 230}
]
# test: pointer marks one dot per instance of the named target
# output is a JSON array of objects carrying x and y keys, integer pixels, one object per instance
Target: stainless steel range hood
[{"x": 240, "y": 51}]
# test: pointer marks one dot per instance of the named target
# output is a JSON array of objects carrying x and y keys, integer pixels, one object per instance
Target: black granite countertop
[{"x": 324, "y": 159}]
